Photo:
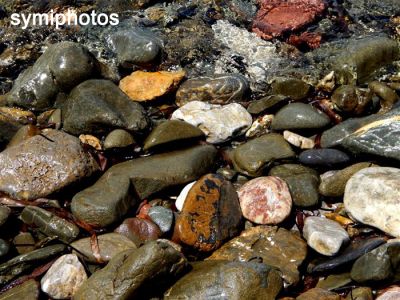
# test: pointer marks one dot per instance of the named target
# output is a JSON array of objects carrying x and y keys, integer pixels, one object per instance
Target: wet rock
[
  {"x": 318, "y": 294},
  {"x": 230, "y": 280},
  {"x": 351, "y": 99},
  {"x": 335, "y": 281},
  {"x": 324, "y": 236},
  {"x": 302, "y": 182},
  {"x": 260, "y": 126},
  {"x": 28, "y": 290},
  {"x": 43, "y": 165},
  {"x": 180, "y": 200},
  {"x": 299, "y": 116},
  {"x": 388, "y": 96},
  {"x": 140, "y": 231},
  {"x": 259, "y": 106},
  {"x": 111, "y": 196},
  {"x": 265, "y": 200},
  {"x": 324, "y": 157},
  {"x": 4, "y": 213},
  {"x": 22, "y": 263},
  {"x": 24, "y": 133},
  {"x": 333, "y": 183},
  {"x": 276, "y": 18},
  {"x": 49, "y": 224},
  {"x": 272, "y": 244},
  {"x": 162, "y": 216},
  {"x": 252, "y": 157},
  {"x": 145, "y": 86},
  {"x": 110, "y": 244},
  {"x": 378, "y": 265},
  {"x": 210, "y": 215},
  {"x": 375, "y": 134},
  {"x": 11, "y": 120},
  {"x": 350, "y": 254},
  {"x": 219, "y": 123},
  {"x": 298, "y": 140},
  {"x": 371, "y": 197},
  {"x": 390, "y": 294},
  {"x": 64, "y": 277},
  {"x": 4, "y": 247},
  {"x": 361, "y": 293},
  {"x": 96, "y": 106},
  {"x": 24, "y": 242},
  {"x": 126, "y": 273},
  {"x": 59, "y": 69},
  {"x": 293, "y": 88},
  {"x": 118, "y": 138},
  {"x": 170, "y": 132},
  {"x": 219, "y": 89},
  {"x": 134, "y": 46}
]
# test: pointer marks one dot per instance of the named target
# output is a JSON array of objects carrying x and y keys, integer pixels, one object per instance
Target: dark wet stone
[
  {"x": 113, "y": 194},
  {"x": 131, "y": 270},
  {"x": 162, "y": 216},
  {"x": 11, "y": 120},
  {"x": 43, "y": 165},
  {"x": 252, "y": 157},
  {"x": 172, "y": 132},
  {"x": 4, "y": 213},
  {"x": 23, "y": 134},
  {"x": 140, "y": 231},
  {"x": 4, "y": 248},
  {"x": 334, "y": 281},
  {"x": 294, "y": 88},
  {"x": 98, "y": 106},
  {"x": 227, "y": 280},
  {"x": 372, "y": 9},
  {"x": 259, "y": 106},
  {"x": 219, "y": 89},
  {"x": 118, "y": 138},
  {"x": 374, "y": 134},
  {"x": 350, "y": 254},
  {"x": 134, "y": 46},
  {"x": 351, "y": 99},
  {"x": 299, "y": 116},
  {"x": 59, "y": 69},
  {"x": 323, "y": 157},
  {"x": 29, "y": 290},
  {"x": 49, "y": 224},
  {"x": 318, "y": 294},
  {"x": 302, "y": 182}
]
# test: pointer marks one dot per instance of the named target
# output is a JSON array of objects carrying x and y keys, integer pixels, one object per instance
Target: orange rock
[
  {"x": 144, "y": 86},
  {"x": 211, "y": 214}
]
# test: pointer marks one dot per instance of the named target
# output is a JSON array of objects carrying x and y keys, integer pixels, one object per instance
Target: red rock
[
  {"x": 139, "y": 231},
  {"x": 276, "y": 17},
  {"x": 308, "y": 39},
  {"x": 210, "y": 215},
  {"x": 265, "y": 200}
]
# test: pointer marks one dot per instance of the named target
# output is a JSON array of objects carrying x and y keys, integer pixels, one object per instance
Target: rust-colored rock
[
  {"x": 145, "y": 86},
  {"x": 139, "y": 231},
  {"x": 276, "y": 17},
  {"x": 211, "y": 214}
]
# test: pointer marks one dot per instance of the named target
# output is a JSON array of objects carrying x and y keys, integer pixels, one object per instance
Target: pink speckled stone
[{"x": 265, "y": 200}]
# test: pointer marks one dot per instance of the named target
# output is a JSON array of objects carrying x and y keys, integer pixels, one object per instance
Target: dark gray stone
[
  {"x": 162, "y": 216},
  {"x": 324, "y": 157}
]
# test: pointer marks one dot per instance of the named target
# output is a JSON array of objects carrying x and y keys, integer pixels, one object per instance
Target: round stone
[
  {"x": 323, "y": 157},
  {"x": 265, "y": 200},
  {"x": 118, "y": 138},
  {"x": 162, "y": 216}
]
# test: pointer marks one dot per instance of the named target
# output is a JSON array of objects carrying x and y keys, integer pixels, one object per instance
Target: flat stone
[
  {"x": 126, "y": 273},
  {"x": 96, "y": 106},
  {"x": 361, "y": 293},
  {"x": 324, "y": 236},
  {"x": 146, "y": 86},
  {"x": 323, "y": 157},
  {"x": 294, "y": 88},
  {"x": 118, "y": 138},
  {"x": 260, "y": 106},
  {"x": 318, "y": 294},
  {"x": 302, "y": 182},
  {"x": 272, "y": 244},
  {"x": 335, "y": 281},
  {"x": 390, "y": 294},
  {"x": 265, "y": 200},
  {"x": 298, "y": 140},
  {"x": 372, "y": 197},
  {"x": 139, "y": 231},
  {"x": 110, "y": 197},
  {"x": 218, "y": 89},
  {"x": 110, "y": 244},
  {"x": 299, "y": 116},
  {"x": 227, "y": 280},
  {"x": 64, "y": 277},
  {"x": 210, "y": 215},
  {"x": 333, "y": 183},
  {"x": 219, "y": 123},
  {"x": 252, "y": 157},
  {"x": 162, "y": 216},
  {"x": 29, "y": 290},
  {"x": 171, "y": 132},
  {"x": 43, "y": 165}
]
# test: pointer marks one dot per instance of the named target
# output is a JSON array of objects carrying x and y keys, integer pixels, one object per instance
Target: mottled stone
[
  {"x": 390, "y": 294},
  {"x": 272, "y": 244},
  {"x": 372, "y": 197},
  {"x": 260, "y": 126},
  {"x": 162, "y": 216},
  {"x": 118, "y": 138},
  {"x": 324, "y": 157},
  {"x": 324, "y": 236},
  {"x": 219, "y": 123},
  {"x": 29, "y": 290},
  {"x": 227, "y": 280},
  {"x": 210, "y": 215},
  {"x": 145, "y": 86},
  {"x": 98, "y": 106},
  {"x": 172, "y": 132},
  {"x": 111, "y": 196},
  {"x": 293, "y": 88},
  {"x": 64, "y": 277},
  {"x": 219, "y": 89},
  {"x": 139, "y": 231},
  {"x": 130, "y": 270},
  {"x": 302, "y": 182},
  {"x": 265, "y": 200},
  {"x": 180, "y": 200},
  {"x": 252, "y": 157},
  {"x": 299, "y": 116},
  {"x": 24, "y": 242},
  {"x": 333, "y": 183},
  {"x": 43, "y": 165},
  {"x": 361, "y": 293},
  {"x": 318, "y": 294}
]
